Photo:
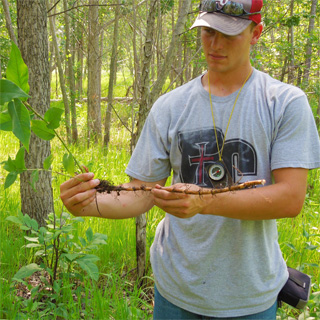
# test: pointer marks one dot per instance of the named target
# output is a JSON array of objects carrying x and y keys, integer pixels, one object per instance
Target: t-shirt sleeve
[
  {"x": 296, "y": 140},
  {"x": 150, "y": 159}
]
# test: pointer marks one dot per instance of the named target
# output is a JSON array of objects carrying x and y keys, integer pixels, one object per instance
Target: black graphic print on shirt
[{"x": 199, "y": 151}]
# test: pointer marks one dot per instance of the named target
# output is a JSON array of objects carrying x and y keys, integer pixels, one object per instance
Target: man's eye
[{"x": 209, "y": 30}]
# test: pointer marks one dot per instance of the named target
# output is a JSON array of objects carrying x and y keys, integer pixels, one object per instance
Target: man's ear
[{"x": 256, "y": 33}]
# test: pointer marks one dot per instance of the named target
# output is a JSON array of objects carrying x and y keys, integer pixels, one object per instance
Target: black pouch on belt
[{"x": 296, "y": 291}]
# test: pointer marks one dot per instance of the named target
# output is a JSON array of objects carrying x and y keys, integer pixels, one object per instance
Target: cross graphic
[{"x": 200, "y": 161}]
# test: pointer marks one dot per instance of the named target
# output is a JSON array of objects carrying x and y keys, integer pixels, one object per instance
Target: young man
[{"x": 217, "y": 256}]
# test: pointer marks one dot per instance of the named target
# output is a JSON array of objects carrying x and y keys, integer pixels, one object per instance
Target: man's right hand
[{"x": 79, "y": 192}]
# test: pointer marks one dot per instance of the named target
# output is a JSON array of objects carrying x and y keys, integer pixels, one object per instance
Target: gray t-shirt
[{"x": 212, "y": 265}]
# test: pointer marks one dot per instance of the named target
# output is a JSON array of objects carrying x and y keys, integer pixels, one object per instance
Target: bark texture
[{"x": 33, "y": 44}]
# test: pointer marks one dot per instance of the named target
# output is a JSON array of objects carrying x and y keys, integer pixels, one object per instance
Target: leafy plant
[
  {"x": 60, "y": 260},
  {"x": 57, "y": 249},
  {"x": 18, "y": 116}
]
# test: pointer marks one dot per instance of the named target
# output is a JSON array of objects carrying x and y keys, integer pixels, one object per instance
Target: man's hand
[
  {"x": 78, "y": 192},
  {"x": 179, "y": 204}
]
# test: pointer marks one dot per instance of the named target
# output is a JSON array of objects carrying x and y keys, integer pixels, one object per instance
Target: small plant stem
[{"x": 55, "y": 132}]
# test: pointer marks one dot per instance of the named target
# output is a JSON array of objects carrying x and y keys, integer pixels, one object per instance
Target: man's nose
[{"x": 217, "y": 40}]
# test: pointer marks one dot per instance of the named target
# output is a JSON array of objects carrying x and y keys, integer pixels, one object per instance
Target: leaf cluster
[
  {"x": 60, "y": 259},
  {"x": 18, "y": 116}
]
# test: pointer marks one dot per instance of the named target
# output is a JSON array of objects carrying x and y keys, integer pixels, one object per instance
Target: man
[{"x": 217, "y": 256}]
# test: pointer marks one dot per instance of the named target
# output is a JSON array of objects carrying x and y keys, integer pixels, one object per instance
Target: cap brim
[{"x": 223, "y": 23}]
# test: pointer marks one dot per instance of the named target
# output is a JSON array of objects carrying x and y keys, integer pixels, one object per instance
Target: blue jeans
[{"x": 165, "y": 310}]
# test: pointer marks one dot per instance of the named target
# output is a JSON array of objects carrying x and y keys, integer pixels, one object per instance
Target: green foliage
[
  {"x": 10, "y": 91},
  {"x": 17, "y": 70},
  {"x": 20, "y": 121},
  {"x": 60, "y": 259},
  {"x": 14, "y": 167},
  {"x": 17, "y": 116}
]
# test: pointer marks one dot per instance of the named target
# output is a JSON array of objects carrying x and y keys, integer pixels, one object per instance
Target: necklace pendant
[{"x": 217, "y": 171}]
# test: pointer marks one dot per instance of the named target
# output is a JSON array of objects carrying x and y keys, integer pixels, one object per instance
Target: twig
[
  {"x": 200, "y": 191},
  {"x": 28, "y": 106}
]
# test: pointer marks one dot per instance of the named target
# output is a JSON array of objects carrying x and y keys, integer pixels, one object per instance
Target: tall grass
[{"x": 116, "y": 295}]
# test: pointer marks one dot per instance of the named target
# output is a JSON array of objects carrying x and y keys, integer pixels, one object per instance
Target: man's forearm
[
  {"x": 81, "y": 198},
  {"x": 119, "y": 206},
  {"x": 283, "y": 199}
]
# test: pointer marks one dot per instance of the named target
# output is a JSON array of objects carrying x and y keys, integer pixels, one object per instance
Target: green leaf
[
  {"x": 72, "y": 256},
  {"x": 56, "y": 286},
  {"x": 33, "y": 245},
  {"x": 19, "y": 161},
  {"x": 16, "y": 165},
  {"x": 10, "y": 179},
  {"x": 48, "y": 162},
  {"x": 5, "y": 121},
  {"x": 310, "y": 247},
  {"x": 31, "y": 239},
  {"x": 39, "y": 127},
  {"x": 9, "y": 165},
  {"x": 34, "y": 179},
  {"x": 291, "y": 246},
  {"x": 14, "y": 219},
  {"x": 17, "y": 70},
  {"x": 26, "y": 271},
  {"x": 68, "y": 163},
  {"x": 83, "y": 241},
  {"x": 10, "y": 91},
  {"x": 20, "y": 122},
  {"x": 87, "y": 264},
  {"x": 24, "y": 228},
  {"x": 89, "y": 234},
  {"x": 53, "y": 117}
]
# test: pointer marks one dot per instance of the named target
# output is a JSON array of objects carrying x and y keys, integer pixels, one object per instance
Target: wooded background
[{"x": 117, "y": 57}]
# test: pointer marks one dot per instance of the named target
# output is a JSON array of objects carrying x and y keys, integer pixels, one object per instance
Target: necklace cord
[{"x": 214, "y": 124}]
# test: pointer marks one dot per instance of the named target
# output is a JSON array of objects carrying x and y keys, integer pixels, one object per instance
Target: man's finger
[{"x": 77, "y": 180}]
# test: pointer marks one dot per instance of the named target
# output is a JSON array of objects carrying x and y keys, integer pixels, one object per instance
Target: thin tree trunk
[
  {"x": 112, "y": 77},
  {"x": 145, "y": 74},
  {"x": 94, "y": 103},
  {"x": 175, "y": 42},
  {"x": 61, "y": 78},
  {"x": 309, "y": 42},
  {"x": 291, "y": 66},
  {"x": 147, "y": 100},
  {"x": 8, "y": 21},
  {"x": 141, "y": 221},
  {"x": 71, "y": 80},
  {"x": 33, "y": 44},
  {"x": 197, "y": 68},
  {"x": 79, "y": 72}
]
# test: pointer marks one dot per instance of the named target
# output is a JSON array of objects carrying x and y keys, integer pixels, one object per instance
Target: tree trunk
[
  {"x": 33, "y": 43},
  {"x": 197, "y": 68},
  {"x": 112, "y": 77},
  {"x": 94, "y": 105},
  {"x": 174, "y": 44},
  {"x": 8, "y": 21},
  {"x": 143, "y": 108},
  {"x": 147, "y": 100},
  {"x": 70, "y": 73},
  {"x": 61, "y": 78},
  {"x": 309, "y": 43},
  {"x": 291, "y": 66},
  {"x": 79, "y": 72},
  {"x": 136, "y": 83}
]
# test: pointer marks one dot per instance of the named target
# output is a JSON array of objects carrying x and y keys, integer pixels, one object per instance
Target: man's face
[{"x": 228, "y": 53}]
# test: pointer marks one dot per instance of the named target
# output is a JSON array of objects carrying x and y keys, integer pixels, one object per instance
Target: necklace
[{"x": 217, "y": 171}]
